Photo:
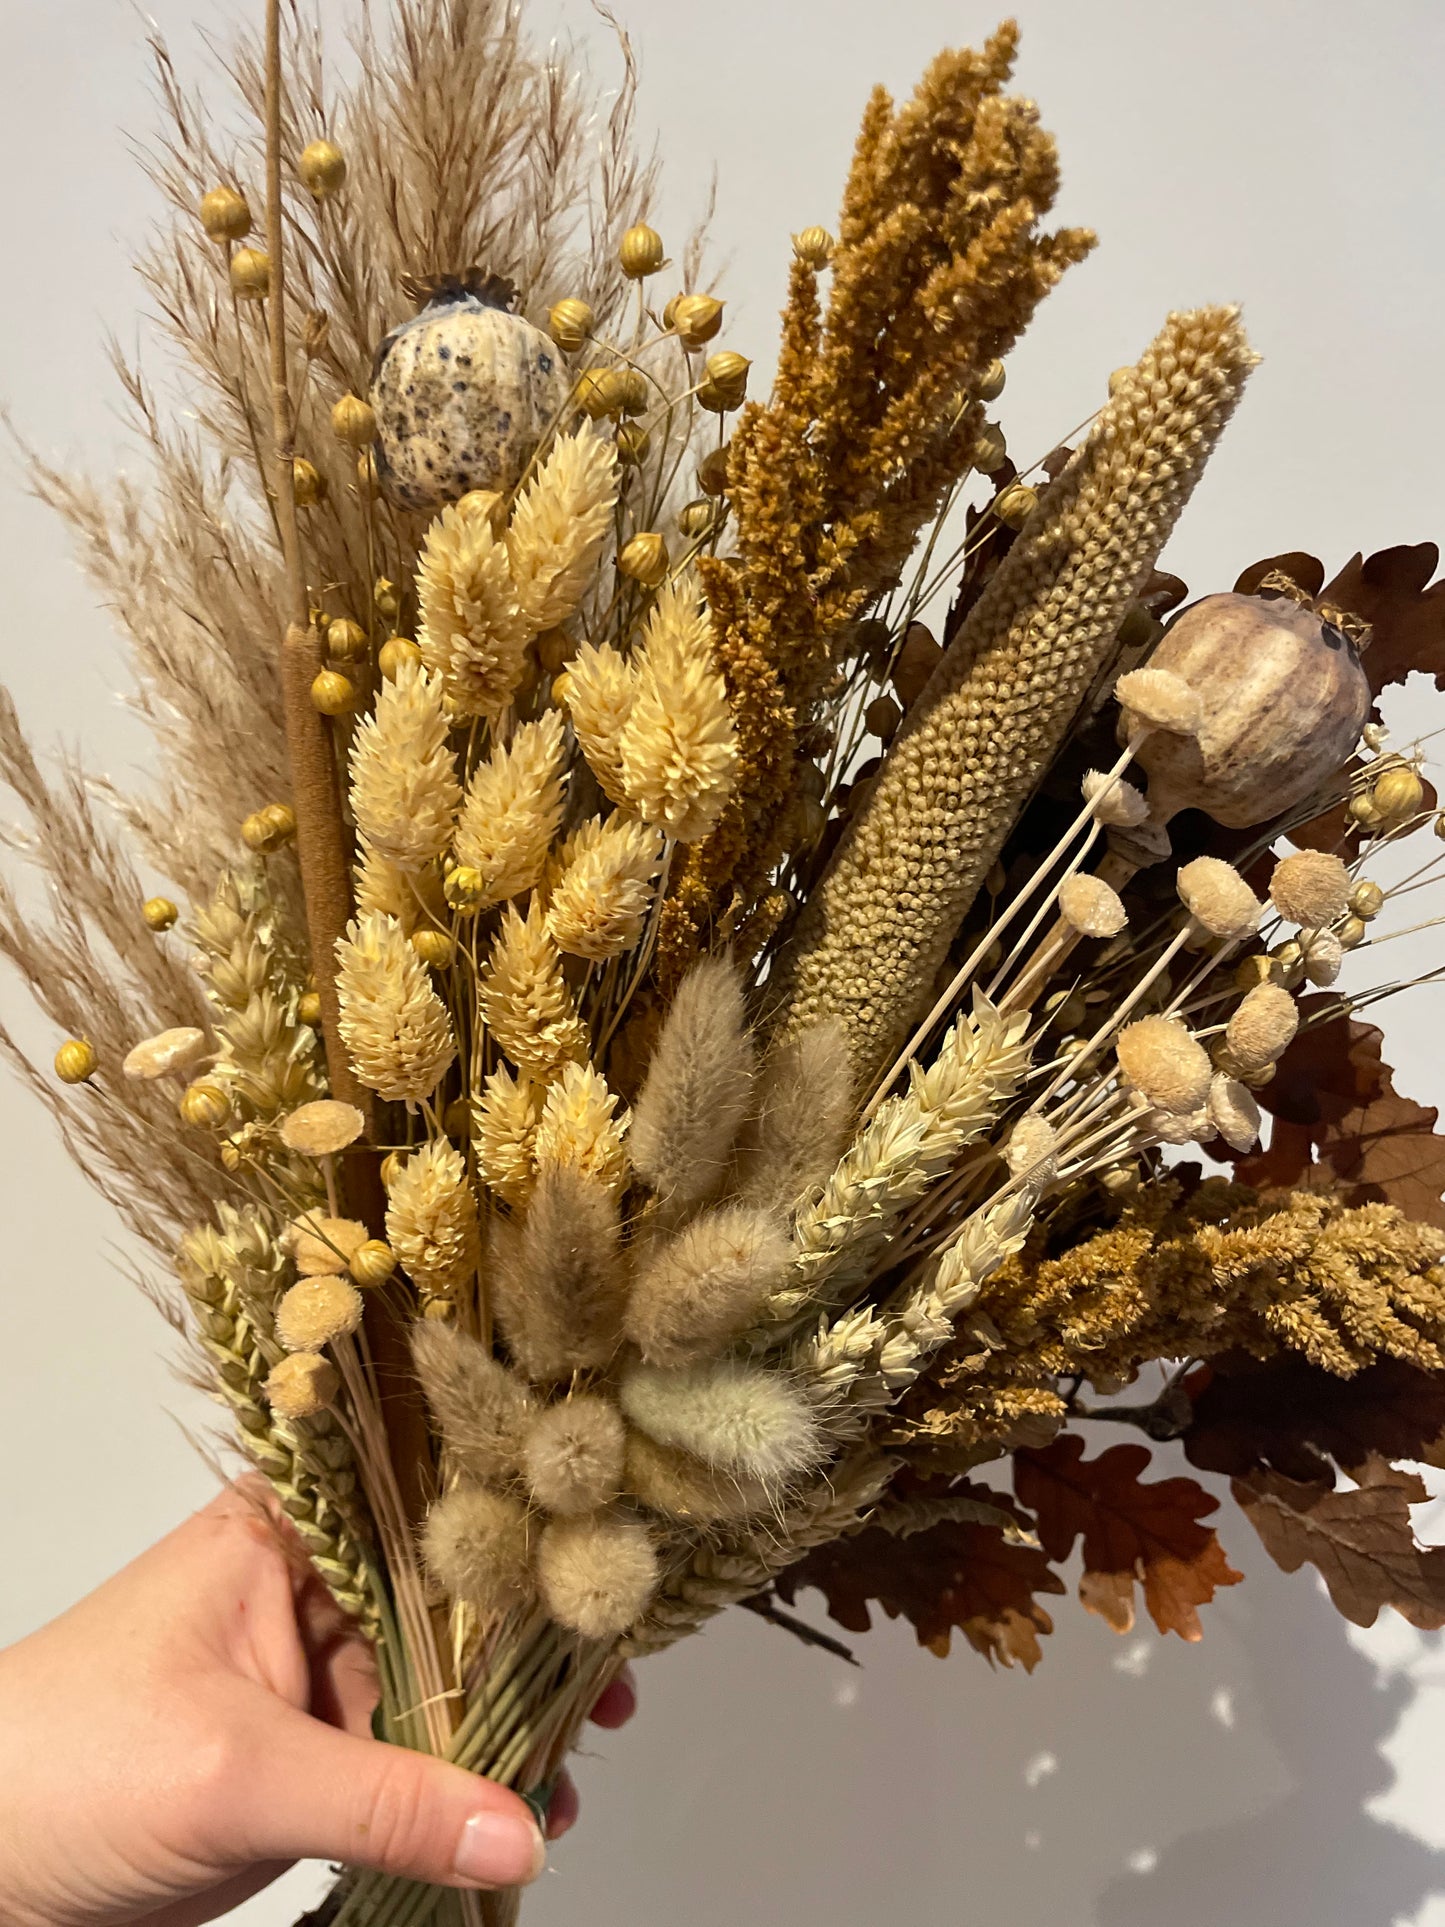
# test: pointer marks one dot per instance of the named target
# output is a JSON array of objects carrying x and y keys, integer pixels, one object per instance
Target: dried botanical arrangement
[{"x": 667, "y": 1087}]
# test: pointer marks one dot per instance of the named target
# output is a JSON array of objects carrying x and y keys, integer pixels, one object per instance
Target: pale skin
[{"x": 175, "y": 1741}]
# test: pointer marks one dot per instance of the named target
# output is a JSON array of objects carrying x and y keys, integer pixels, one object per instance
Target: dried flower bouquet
[{"x": 673, "y": 1064}]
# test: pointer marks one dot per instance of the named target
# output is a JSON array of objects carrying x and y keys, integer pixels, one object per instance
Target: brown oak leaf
[
  {"x": 1361, "y": 1540},
  {"x": 1340, "y": 1122},
  {"x": 1307, "y": 572},
  {"x": 1406, "y": 612},
  {"x": 1131, "y": 1532},
  {"x": 1284, "y": 1415},
  {"x": 957, "y": 1576}
]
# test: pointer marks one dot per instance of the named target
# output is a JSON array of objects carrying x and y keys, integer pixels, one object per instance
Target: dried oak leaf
[
  {"x": 1307, "y": 572},
  {"x": 1284, "y": 1415},
  {"x": 1131, "y": 1532},
  {"x": 1340, "y": 1122},
  {"x": 1406, "y": 612},
  {"x": 1360, "y": 1540},
  {"x": 957, "y": 1576}
]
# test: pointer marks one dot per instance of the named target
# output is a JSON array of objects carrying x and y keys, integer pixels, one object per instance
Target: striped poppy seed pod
[
  {"x": 991, "y": 382},
  {"x": 696, "y": 317},
  {"x": 346, "y": 641},
  {"x": 393, "y": 653},
  {"x": 332, "y": 693},
  {"x": 724, "y": 385},
  {"x": 814, "y": 247},
  {"x": 570, "y": 322},
  {"x": 641, "y": 252},
  {"x": 644, "y": 559},
  {"x": 309, "y": 483}
]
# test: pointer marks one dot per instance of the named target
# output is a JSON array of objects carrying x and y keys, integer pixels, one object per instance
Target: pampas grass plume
[
  {"x": 698, "y": 1087},
  {"x": 557, "y": 1276},
  {"x": 596, "y": 1574},
  {"x": 706, "y": 1284},
  {"x": 804, "y": 1109},
  {"x": 741, "y": 1417},
  {"x": 475, "y": 1546},
  {"x": 480, "y": 1407},
  {"x": 573, "y": 1455}
]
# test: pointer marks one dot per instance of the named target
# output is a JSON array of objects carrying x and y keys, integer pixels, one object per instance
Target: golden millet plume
[
  {"x": 560, "y": 526},
  {"x": 404, "y": 788},
  {"x": 706, "y": 1283},
  {"x": 698, "y": 1087},
  {"x": 394, "y": 1026},
  {"x": 599, "y": 904},
  {"x": 804, "y": 1107},
  {"x": 596, "y": 1574},
  {"x": 476, "y": 1544},
  {"x": 512, "y": 811},
  {"x": 876, "y": 931},
  {"x": 481, "y": 1409},
  {"x": 473, "y": 631},
  {"x": 678, "y": 748},
  {"x": 579, "y": 1127},
  {"x": 749, "y": 1419},
  {"x": 573, "y": 1455},
  {"x": 431, "y": 1220},
  {"x": 597, "y": 688},
  {"x": 504, "y": 1134},
  {"x": 524, "y": 997},
  {"x": 557, "y": 1276}
]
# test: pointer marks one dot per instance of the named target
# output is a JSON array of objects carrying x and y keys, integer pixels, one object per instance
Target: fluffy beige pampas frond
[
  {"x": 698, "y": 1087},
  {"x": 745, "y": 1418},
  {"x": 596, "y": 1574},
  {"x": 473, "y": 632},
  {"x": 504, "y": 1134},
  {"x": 706, "y": 1284},
  {"x": 559, "y": 1286},
  {"x": 598, "y": 688},
  {"x": 404, "y": 788},
  {"x": 560, "y": 526},
  {"x": 579, "y": 1126},
  {"x": 431, "y": 1219},
  {"x": 512, "y": 811},
  {"x": 394, "y": 1026},
  {"x": 524, "y": 996},
  {"x": 573, "y": 1455},
  {"x": 804, "y": 1110},
  {"x": 476, "y": 1545},
  {"x": 600, "y": 901},
  {"x": 678, "y": 747},
  {"x": 481, "y": 1409}
]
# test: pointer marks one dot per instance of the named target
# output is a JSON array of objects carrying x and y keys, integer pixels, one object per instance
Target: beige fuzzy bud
[
  {"x": 434, "y": 947},
  {"x": 1032, "y": 1149},
  {"x": 1323, "y": 956},
  {"x": 706, "y": 1284},
  {"x": 1351, "y": 932},
  {"x": 322, "y": 169},
  {"x": 1234, "y": 1112},
  {"x": 633, "y": 444},
  {"x": 596, "y": 1574},
  {"x": 814, "y": 247},
  {"x": 372, "y": 1264},
  {"x": 320, "y": 1245},
  {"x": 1161, "y": 1059},
  {"x": 395, "y": 1028},
  {"x": 481, "y": 1409},
  {"x": 1091, "y": 906},
  {"x": 302, "y": 1384},
  {"x": 746, "y": 1418},
  {"x": 683, "y": 1488},
  {"x": 316, "y": 1311},
  {"x": 1158, "y": 699},
  {"x": 76, "y": 1061},
  {"x": 170, "y": 1050},
  {"x": 570, "y": 322},
  {"x": 1262, "y": 1027},
  {"x": 477, "y": 1547},
  {"x": 1182, "y": 1127},
  {"x": 573, "y": 1454},
  {"x": 250, "y": 273},
  {"x": 225, "y": 214},
  {"x": 320, "y": 1129},
  {"x": 1113, "y": 801},
  {"x": 1217, "y": 896},
  {"x": 641, "y": 251},
  {"x": 1310, "y": 888}
]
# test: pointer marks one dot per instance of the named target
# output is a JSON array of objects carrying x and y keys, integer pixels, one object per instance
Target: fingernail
[{"x": 500, "y": 1850}]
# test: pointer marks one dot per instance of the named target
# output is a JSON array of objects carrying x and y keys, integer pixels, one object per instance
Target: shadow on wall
[{"x": 1127, "y": 1782}]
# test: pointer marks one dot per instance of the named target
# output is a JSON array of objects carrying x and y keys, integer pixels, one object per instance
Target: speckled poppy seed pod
[{"x": 225, "y": 214}]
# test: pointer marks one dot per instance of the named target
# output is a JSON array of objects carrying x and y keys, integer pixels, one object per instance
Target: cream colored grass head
[
  {"x": 394, "y": 1026},
  {"x": 513, "y": 809},
  {"x": 706, "y": 1283},
  {"x": 573, "y": 1455},
  {"x": 580, "y": 1127},
  {"x": 525, "y": 999},
  {"x": 596, "y": 1574},
  {"x": 431, "y": 1219},
  {"x": 404, "y": 788},
  {"x": 477, "y": 1546},
  {"x": 561, "y": 526},
  {"x": 558, "y": 1280},
  {"x": 678, "y": 748},
  {"x": 744, "y": 1418},
  {"x": 481, "y": 1409},
  {"x": 598, "y": 906},
  {"x": 698, "y": 1088}
]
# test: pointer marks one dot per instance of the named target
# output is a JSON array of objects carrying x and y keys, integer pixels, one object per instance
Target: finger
[
  {"x": 563, "y": 1806},
  {"x": 328, "y": 1795},
  {"x": 618, "y": 1702}
]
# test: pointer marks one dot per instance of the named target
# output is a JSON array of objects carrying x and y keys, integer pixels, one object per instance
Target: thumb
[{"x": 330, "y": 1796}]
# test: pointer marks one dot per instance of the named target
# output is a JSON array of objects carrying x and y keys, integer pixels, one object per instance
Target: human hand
[{"x": 172, "y": 1743}]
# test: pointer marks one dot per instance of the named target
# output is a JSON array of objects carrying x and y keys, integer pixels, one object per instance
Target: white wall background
[{"x": 1288, "y": 1770}]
